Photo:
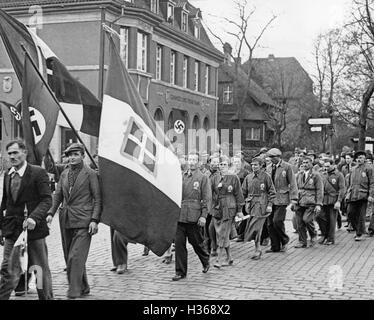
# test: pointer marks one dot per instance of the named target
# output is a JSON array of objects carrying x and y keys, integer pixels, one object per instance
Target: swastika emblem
[{"x": 179, "y": 126}]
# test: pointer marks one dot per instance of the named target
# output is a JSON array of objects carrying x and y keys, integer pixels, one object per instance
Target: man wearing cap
[
  {"x": 196, "y": 201},
  {"x": 346, "y": 170},
  {"x": 284, "y": 181},
  {"x": 334, "y": 191},
  {"x": 360, "y": 191},
  {"x": 79, "y": 192},
  {"x": 309, "y": 205}
]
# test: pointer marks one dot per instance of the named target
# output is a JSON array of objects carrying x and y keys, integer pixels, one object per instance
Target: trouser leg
[
  {"x": 274, "y": 239},
  {"x": 119, "y": 249},
  {"x": 213, "y": 236},
  {"x": 9, "y": 277},
  {"x": 360, "y": 227},
  {"x": 308, "y": 219},
  {"x": 351, "y": 213},
  {"x": 278, "y": 224},
  {"x": 63, "y": 237},
  {"x": 195, "y": 239},
  {"x": 322, "y": 220},
  {"x": 207, "y": 240},
  {"x": 38, "y": 256},
  {"x": 76, "y": 266},
  {"x": 371, "y": 225},
  {"x": 301, "y": 227},
  {"x": 333, "y": 214},
  {"x": 181, "y": 250}
]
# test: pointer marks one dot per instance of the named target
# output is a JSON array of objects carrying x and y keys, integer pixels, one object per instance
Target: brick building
[
  {"x": 256, "y": 131},
  {"x": 162, "y": 43}
]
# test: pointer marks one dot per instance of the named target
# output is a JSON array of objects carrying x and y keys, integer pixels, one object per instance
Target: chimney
[{"x": 227, "y": 50}]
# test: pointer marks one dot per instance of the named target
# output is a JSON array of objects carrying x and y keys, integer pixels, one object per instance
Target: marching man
[{"x": 309, "y": 205}]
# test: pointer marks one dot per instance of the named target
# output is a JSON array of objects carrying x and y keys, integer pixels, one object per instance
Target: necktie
[
  {"x": 274, "y": 169},
  {"x": 15, "y": 185},
  {"x": 304, "y": 177}
]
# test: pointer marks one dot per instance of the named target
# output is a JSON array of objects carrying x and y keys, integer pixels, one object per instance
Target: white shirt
[{"x": 20, "y": 171}]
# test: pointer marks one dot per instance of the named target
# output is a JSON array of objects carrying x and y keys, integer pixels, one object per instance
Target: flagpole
[{"x": 61, "y": 109}]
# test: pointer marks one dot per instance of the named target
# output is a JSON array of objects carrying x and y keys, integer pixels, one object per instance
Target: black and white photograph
[{"x": 191, "y": 151}]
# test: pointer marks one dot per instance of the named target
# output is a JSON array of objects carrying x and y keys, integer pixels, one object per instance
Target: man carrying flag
[
  {"x": 25, "y": 185},
  {"x": 141, "y": 177}
]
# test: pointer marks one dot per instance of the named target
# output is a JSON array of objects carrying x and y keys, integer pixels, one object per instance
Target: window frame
[
  {"x": 142, "y": 52},
  {"x": 196, "y": 75},
  {"x": 185, "y": 72},
  {"x": 173, "y": 56},
  {"x": 184, "y": 24},
  {"x": 170, "y": 13},
  {"x": 124, "y": 45},
  {"x": 252, "y": 134},
  {"x": 155, "y": 6},
  {"x": 228, "y": 93},
  {"x": 207, "y": 79},
  {"x": 158, "y": 73}
]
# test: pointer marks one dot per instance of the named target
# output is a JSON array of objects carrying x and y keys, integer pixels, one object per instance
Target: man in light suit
[
  {"x": 79, "y": 192},
  {"x": 26, "y": 187},
  {"x": 286, "y": 191}
]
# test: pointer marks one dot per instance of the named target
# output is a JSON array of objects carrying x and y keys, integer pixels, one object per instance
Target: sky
[{"x": 291, "y": 34}]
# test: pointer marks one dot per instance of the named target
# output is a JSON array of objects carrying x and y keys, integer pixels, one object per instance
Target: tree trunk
[{"x": 363, "y": 115}]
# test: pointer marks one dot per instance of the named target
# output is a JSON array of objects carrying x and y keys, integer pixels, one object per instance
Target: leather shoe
[
  {"x": 178, "y": 277},
  {"x": 206, "y": 268},
  {"x": 114, "y": 269},
  {"x": 300, "y": 245},
  {"x": 322, "y": 241},
  {"x": 239, "y": 240},
  {"x": 329, "y": 243},
  {"x": 121, "y": 269}
]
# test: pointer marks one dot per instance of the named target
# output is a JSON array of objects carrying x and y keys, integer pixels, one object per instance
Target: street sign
[
  {"x": 316, "y": 129},
  {"x": 319, "y": 121}
]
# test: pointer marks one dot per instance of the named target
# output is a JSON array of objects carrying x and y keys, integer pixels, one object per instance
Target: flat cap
[
  {"x": 74, "y": 147},
  {"x": 274, "y": 152}
]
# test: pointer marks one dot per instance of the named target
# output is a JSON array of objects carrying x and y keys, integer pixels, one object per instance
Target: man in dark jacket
[
  {"x": 79, "y": 192},
  {"x": 360, "y": 191},
  {"x": 196, "y": 199},
  {"x": 310, "y": 186},
  {"x": 26, "y": 191},
  {"x": 334, "y": 191}
]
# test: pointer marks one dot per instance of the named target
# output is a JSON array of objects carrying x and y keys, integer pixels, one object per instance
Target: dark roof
[
  {"x": 281, "y": 77},
  {"x": 227, "y": 74},
  {"x": 180, "y": 3},
  {"x": 21, "y": 3}
]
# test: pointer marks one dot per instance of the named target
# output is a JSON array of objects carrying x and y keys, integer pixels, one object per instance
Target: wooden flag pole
[{"x": 61, "y": 109}]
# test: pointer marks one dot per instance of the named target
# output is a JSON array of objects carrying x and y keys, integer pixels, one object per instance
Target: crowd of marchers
[
  {"x": 227, "y": 199},
  {"x": 223, "y": 200}
]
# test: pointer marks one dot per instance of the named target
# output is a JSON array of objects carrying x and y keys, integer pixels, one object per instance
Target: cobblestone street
[{"x": 296, "y": 274}]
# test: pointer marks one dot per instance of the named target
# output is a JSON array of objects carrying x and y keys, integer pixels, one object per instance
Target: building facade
[
  {"x": 162, "y": 43},
  {"x": 234, "y": 90},
  {"x": 290, "y": 86}
]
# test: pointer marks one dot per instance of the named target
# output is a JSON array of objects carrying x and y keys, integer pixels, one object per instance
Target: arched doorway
[
  {"x": 159, "y": 118},
  {"x": 206, "y": 124},
  {"x": 196, "y": 122}
]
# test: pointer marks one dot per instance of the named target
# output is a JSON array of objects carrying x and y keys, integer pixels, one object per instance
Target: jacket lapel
[
  {"x": 82, "y": 176},
  {"x": 24, "y": 180},
  {"x": 310, "y": 175},
  {"x": 7, "y": 186}
]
